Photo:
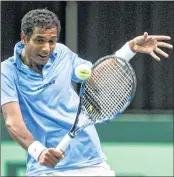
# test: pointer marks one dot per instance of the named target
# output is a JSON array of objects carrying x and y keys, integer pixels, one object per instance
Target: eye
[
  {"x": 40, "y": 40},
  {"x": 52, "y": 42}
]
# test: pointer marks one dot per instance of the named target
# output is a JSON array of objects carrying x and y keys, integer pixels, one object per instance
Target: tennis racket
[{"x": 104, "y": 96}]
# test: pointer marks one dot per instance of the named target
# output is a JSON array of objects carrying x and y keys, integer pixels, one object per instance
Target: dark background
[{"x": 103, "y": 27}]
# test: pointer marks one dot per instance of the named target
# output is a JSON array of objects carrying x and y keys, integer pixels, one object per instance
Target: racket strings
[
  {"x": 110, "y": 86},
  {"x": 107, "y": 106},
  {"x": 116, "y": 79},
  {"x": 120, "y": 82}
]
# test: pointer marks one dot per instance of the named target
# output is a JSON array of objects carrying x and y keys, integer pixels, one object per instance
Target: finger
[
  {"x": 48, "y": 162},
  {"x": 145, "y": 35},
  {"x": 62, "y": 156},
  {"x": 161, "y": 37},
  {"x": 58, "y": 154},
  {"x": 153, "y": 55},
  {"x": 163, "y": 44},
  {"x": 50, "y": 156},
  {"x": 159, "y": 51},
  {"x": 53, "y": 158},
  {"x": 47, "y": 165}
]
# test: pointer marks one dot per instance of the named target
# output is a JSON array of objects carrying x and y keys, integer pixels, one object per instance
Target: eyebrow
[{"x": 38, "y": 36}]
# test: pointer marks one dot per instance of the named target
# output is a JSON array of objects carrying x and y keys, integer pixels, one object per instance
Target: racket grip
[{"x": 64, "y": 143}]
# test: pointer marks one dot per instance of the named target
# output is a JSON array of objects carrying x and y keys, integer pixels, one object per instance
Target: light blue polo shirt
[{"x": 49, "y": 105}]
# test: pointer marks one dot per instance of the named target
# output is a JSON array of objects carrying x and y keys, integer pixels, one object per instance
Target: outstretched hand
[{"x": 150, "y": 44}]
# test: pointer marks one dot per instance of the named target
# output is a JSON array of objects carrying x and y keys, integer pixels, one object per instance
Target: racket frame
[{"x": 69, "y": 136}]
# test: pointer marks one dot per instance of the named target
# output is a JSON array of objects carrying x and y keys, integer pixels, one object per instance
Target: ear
[{"x": 23, "y": 37}]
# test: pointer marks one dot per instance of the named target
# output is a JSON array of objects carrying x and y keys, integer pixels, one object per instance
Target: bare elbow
[
  {"x": 9, "y": 124},
  {"x": 12, "y": 114}
]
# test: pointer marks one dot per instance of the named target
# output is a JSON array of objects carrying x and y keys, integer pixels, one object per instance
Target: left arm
[{"x": 150, "y": 44}]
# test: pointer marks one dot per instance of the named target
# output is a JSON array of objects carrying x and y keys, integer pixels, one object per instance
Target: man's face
[{"x": 40, "y": 45}]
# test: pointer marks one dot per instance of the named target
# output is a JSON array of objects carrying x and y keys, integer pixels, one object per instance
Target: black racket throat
[{"x": 76, "y": 120}]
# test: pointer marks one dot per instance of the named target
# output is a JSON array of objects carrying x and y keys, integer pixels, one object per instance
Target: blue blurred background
[{"x": 139, "y": 142}]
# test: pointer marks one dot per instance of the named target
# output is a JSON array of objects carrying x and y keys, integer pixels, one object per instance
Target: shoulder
[
  {"x": 8, "y": 66},
  {"x": 61, "y": 48}
]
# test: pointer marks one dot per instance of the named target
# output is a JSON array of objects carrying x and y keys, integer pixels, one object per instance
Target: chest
[{"x": 52, "y": 82}]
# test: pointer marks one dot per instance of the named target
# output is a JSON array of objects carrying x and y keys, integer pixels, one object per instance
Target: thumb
[{"x": 57, "y": 153}]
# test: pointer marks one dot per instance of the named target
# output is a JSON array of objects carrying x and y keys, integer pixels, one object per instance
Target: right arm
[
  {"x": 15, "y": 124},
  {"x": 19, "y": 132}
]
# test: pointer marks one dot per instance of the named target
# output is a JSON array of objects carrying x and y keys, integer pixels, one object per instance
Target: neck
[{"x": 34, "y": 66}]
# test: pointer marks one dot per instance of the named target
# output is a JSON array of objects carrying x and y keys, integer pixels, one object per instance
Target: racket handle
[{"x": 64, "y": 143}]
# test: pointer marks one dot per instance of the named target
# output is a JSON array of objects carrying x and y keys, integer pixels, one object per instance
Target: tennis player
[{"x": 39, "y": 103}]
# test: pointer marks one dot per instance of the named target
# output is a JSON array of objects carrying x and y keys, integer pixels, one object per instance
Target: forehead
[{"x": 44, "y": 32}]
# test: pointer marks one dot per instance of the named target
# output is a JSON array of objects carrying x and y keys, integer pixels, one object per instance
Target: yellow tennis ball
[
  {"x": 91, "y": 108},
  {"x": 83, "y": 71}
]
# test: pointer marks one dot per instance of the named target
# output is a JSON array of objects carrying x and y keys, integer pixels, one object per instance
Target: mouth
[{"x": 43, "y": 56}]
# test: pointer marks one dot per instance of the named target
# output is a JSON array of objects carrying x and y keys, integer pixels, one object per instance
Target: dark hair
[{"x": 39, "y": 18}]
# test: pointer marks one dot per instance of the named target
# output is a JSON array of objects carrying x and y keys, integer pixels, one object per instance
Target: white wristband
[
  {"x": 125, "y": 53},
  {"x": 35, "y": 149}
]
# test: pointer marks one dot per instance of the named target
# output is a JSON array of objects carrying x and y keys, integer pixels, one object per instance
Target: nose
[{"x": 46, "y": 49}]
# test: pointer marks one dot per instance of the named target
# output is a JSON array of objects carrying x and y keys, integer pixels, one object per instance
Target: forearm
[
  {"x": 125, "y": 52},
  {"x": 20, "y": 134}
]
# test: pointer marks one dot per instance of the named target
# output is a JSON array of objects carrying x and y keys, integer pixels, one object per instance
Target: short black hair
[{"x": 39, "y": 18}]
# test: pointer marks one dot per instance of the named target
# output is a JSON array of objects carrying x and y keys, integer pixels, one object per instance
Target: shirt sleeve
[
  {"x": 8, "y": 86},
  {"x": 125, "y": 53}
]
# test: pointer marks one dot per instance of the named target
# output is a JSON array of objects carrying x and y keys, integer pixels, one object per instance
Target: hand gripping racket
[{"x": 105, "y": 95}]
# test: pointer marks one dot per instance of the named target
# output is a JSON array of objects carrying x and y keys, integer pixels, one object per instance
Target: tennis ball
[
  {"x": 91, "y": 108},
  {"x": 83, "y": 72}
]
